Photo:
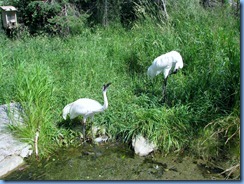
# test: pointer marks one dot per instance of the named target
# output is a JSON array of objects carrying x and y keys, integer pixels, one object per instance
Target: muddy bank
[{"x": 112, "y": 161}]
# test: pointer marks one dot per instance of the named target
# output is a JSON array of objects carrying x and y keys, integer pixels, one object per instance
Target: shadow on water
[{"x": 108, "y": 161}]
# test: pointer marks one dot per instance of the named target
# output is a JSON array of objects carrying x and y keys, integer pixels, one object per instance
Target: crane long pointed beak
[{"x": 107, "y": 85}]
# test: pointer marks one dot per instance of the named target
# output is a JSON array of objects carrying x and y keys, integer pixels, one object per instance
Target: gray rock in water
[
  {"x": 9, "y": 164},
  {"x": 12, "y": 150}
]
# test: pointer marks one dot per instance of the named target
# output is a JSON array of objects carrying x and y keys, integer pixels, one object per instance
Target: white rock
[
  {"x": 11, "y": 162},
  {"x": 1, "y": 158},
  {"x": 12, "y": 150},
  {"x": 142, "y": 146},
  {"x": 27, "y": 151},
  {"x": 101, "y": 139}
]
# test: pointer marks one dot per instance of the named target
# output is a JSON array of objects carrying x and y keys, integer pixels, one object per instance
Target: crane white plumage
[
  {"x": 167, "y": 64},
  {"x": 86, "y": 107}
]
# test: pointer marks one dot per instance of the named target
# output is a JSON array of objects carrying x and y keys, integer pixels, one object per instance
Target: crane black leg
[
  {"x": 164, "y": 91},
  {"x": 84, "y": 130}
]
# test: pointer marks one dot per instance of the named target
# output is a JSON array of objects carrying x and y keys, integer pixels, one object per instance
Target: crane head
[
  {"x": 105, "y": 86},
  {"x": 175, "y": 71}
]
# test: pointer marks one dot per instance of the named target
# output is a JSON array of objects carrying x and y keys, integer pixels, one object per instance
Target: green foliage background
[{"x": 202, "y": 114}]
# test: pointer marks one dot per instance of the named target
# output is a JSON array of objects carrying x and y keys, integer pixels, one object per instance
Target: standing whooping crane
[
  {"x": 167, "y": 64},
  {"x": 86, "y": 107}
]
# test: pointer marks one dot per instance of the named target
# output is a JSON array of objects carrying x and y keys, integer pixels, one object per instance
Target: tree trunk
[
  {"x": 105, "y": 13},
  {"x": 205, "y": 3},
  {"x": 164, "y": 8}
]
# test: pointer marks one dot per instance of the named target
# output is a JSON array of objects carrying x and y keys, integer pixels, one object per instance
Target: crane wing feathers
[
  {"x": 85, "y": 107},
  {"x": 166, "y": 63}
]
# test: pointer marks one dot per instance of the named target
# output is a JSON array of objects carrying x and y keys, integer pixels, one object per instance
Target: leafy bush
[{"x": 70, "y": 24}]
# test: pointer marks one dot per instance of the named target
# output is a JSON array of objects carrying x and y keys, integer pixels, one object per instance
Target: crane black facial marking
[
  {"x": 105, "y": 86},
  {"x": 108, "y": 84},
  {"x": 174, "y": 72}
]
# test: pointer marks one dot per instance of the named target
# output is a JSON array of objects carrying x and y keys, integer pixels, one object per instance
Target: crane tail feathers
[{"x": 66, "y": 110}]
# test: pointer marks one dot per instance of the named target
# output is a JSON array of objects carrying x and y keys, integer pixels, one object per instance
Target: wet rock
[
  {"x": 12, "y": 150},
  {"x": 9, "y": 164},
  {"x": 26, "y": 151},
  {"x": 100, "y": 139},
  {"x": 143, "y": 146}
]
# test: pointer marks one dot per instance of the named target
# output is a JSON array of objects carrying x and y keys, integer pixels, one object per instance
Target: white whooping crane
[
  {"x": 167, "y": 64},
  {"x": 86, "y": 107}
]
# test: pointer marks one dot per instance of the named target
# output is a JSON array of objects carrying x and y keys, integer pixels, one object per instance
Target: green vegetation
[{"x": 202, "y": 113}]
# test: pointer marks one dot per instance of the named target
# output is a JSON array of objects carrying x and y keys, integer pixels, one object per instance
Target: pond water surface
[{"x": 111, "y": 161}]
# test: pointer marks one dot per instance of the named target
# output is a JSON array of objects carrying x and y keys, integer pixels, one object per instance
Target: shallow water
[{"x": 111, "y": 161}]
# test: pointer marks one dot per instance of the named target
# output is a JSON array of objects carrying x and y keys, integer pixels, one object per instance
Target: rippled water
[{"x": 111, "y": 161}]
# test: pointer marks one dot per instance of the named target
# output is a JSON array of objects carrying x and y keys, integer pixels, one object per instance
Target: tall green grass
[{"x": 46, "y": 73}]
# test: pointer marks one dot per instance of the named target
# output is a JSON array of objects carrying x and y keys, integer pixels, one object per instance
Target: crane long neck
[{"x": 105, "y": 105}]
